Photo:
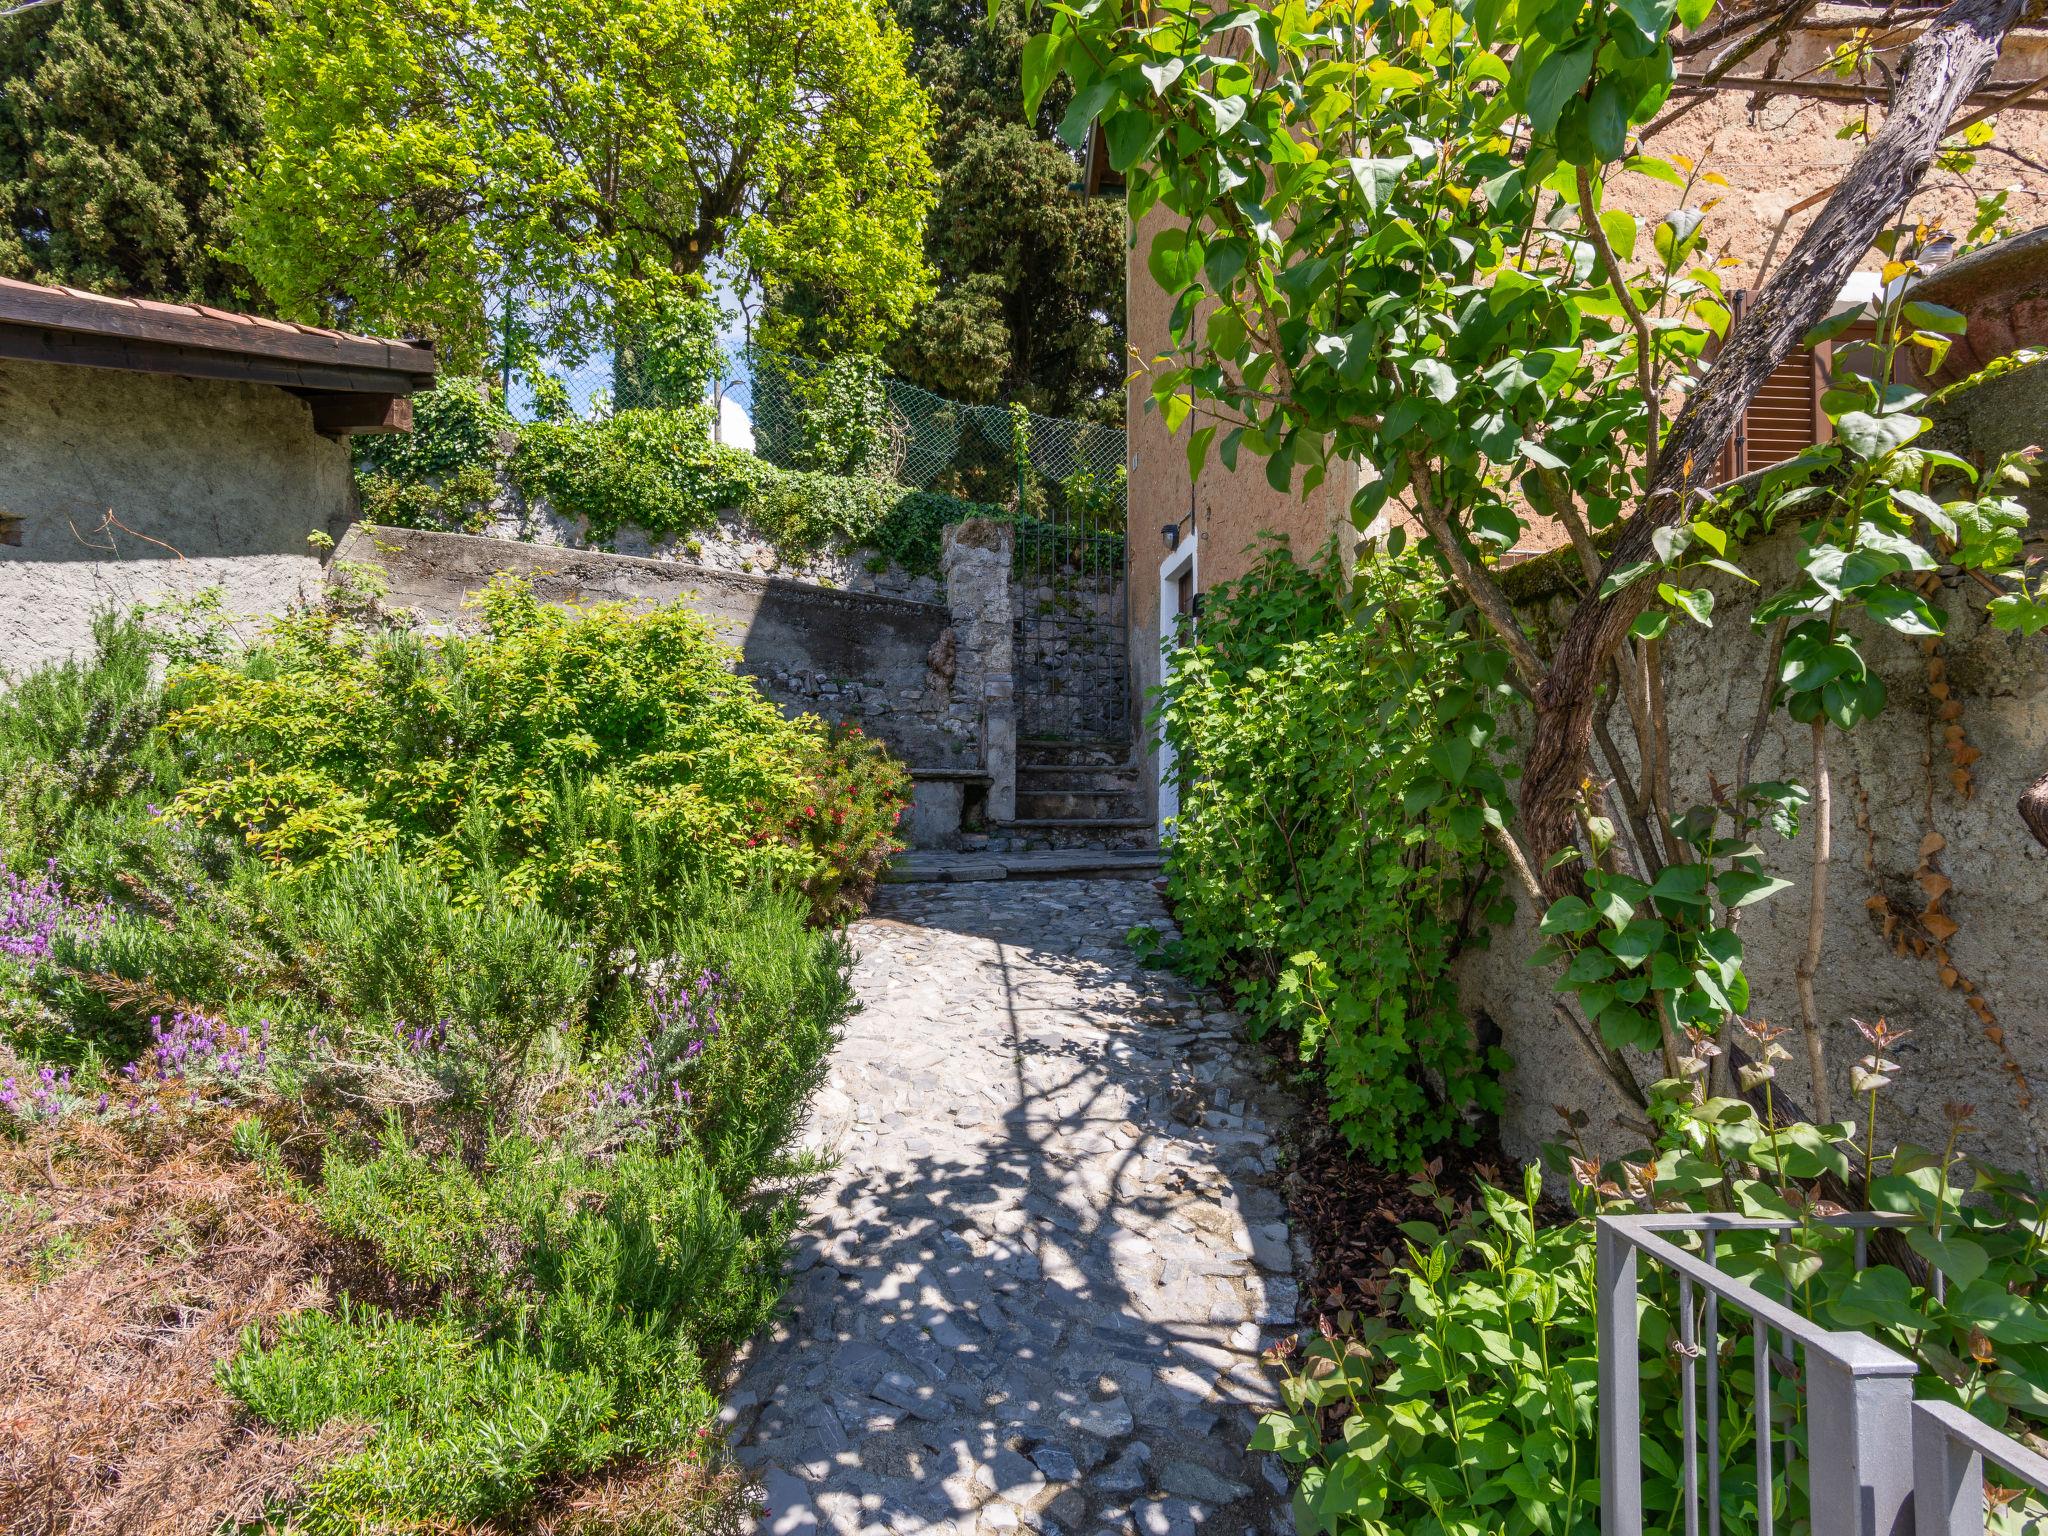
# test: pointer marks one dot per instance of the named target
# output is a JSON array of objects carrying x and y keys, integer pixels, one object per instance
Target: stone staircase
[{"x": 1075, "y": 794}]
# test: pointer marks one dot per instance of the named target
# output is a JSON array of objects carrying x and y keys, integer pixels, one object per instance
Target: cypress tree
[
  {"x": 119, "y": 120},
  {"x": 1030, "y": 274}
]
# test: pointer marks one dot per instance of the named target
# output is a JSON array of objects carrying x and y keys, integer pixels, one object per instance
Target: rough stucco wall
[
  {"x": 883, "y": 663},
  {"x": 1230, "y": 510},
  {"x": 1893, "y": 791},
  {"x": 232, "y": 477}
]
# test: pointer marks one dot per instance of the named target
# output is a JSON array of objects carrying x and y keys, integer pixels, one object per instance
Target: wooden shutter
[{"x": 1785, "y": 418}]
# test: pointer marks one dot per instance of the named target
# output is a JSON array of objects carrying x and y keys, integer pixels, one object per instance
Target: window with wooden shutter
[{"x": 1785, "y": 418}]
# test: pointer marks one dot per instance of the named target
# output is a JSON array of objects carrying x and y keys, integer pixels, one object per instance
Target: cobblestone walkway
[{"x": 1036, "y": 1285}]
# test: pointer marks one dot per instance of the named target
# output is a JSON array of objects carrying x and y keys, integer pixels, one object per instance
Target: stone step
[
  {"x": 1077, "y": 776},
  {"x": 1028, "y": 833},
  {"x": 1082, "y": 752},
  {"x": 1074, "y": 823},
  {"x": 1078, "y": 804},
  {"x": 1046, "y": 864}
]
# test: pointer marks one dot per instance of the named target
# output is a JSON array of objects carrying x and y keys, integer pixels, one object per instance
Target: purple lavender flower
[
  {"x": 199, "y": 1045},
  {"x": 34, "y": 911},
  {"x": 651, "y": 1089}
]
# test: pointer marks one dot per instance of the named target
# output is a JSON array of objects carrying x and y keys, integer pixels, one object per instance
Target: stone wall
[
  {"x": 1903, "y": 821},
  {"x": 1071, "y": 663},
  {"x": 120, "y": 488},
  {"x": 731, "y": 544},
  {"x": 932, "y": 682}
]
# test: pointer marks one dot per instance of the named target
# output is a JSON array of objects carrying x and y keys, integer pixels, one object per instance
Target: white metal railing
[{"x": 1879, "y": 1463}]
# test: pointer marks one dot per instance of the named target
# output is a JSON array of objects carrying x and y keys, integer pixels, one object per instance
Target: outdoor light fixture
[{"x": 1169, "y": 535}]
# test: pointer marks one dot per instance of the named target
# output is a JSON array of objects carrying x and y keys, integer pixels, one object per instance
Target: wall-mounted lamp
[{"x": 1169, "y": 535}]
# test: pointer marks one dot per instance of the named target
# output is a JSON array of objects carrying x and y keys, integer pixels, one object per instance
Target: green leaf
[
  {"x": 1558, "y": 78},
  {"x": 1607, "y": 121},
  {"x": 2018, "y": 612},
  {"x": 1990, "y": 1308},
  {"x": 1872, "y": 437},
  {"x": 1961, "y": 1260},
  {"x": 1879, "y": 1296},
  {"x": 1082, "y": 111},
  {"x": 1568, "y": 914},
  {"x": 1832, "y": 327},
  {"x": 1935, "y": 317},
  {"x": 1162, "y": 74},
  {"x": 1377, "y": 178},
  {"x": 1696, "y": 603},
  {"x": 1907, "y": 612},
  {"x": 1739, "y": 888},
  {"x": 1175, "y": 260},
  {"x": 1041, "y": 61},
  {"x": 1130, "y": 137},
  {"x": 1685, "y": 884},
  {"x": 1436, "y": 377}
]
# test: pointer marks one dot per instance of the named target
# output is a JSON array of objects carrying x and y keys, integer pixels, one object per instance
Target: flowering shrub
[
  {"x": 33, "y": 910},
  {"x": 649, "y": 1097},
  {"x": 463, "y": 890},
  {"x": 199, "y": 1046}
]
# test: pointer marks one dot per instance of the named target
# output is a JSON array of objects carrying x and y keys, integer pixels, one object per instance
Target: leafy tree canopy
[
  {"x": 1030, "y": 274},
  {"x": 593, "y": 155},
  {"x": 118, "y": 121}
]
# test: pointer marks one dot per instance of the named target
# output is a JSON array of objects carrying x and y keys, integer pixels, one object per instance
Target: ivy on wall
[{"x": 656, "y": 469}]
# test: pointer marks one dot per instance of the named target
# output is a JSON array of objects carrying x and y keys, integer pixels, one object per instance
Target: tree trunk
[
  {"x": 1944, "y": 67},
  {"x": 2034, "y": 809}
]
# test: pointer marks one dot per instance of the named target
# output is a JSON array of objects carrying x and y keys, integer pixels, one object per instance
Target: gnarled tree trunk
[
  {"x": 1949, "y": 62},
  {"x": 2034, "y": 809}
]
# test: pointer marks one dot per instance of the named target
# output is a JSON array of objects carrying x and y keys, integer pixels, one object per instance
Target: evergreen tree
[
  {"x": 119, "y": 122},
  {"x": 1030, "y": 273}
]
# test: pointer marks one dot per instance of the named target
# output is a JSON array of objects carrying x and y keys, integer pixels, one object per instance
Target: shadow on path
[{"x": 1035, "y": 1287}]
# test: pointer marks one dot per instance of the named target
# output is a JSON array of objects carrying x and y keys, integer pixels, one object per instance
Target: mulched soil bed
[{"x": 1351, "y": 1213}]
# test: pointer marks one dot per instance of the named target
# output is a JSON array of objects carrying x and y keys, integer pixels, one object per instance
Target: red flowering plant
[{"x": 849, "y": 826}]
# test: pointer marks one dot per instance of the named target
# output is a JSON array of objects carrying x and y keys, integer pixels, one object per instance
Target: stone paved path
[{"x": 1036, "y": 1285}]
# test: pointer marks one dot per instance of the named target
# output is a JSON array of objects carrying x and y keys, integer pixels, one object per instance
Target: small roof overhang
[{"x": 353, "y": 383}]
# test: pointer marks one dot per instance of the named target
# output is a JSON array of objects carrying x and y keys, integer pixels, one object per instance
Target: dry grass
[{"x": 131, "y": 1260}]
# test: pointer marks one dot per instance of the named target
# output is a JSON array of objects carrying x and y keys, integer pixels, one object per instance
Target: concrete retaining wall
[{"x": 121, "y": 488}]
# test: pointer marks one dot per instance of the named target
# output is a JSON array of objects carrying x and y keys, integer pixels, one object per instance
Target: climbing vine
[{"x": 656, "y": 469}]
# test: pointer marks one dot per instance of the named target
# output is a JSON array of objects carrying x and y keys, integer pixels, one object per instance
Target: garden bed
[{"x": 403, "y": 1046}]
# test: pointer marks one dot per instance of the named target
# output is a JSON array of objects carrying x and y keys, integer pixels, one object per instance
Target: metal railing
[{"x": 1878, "y": 1462}]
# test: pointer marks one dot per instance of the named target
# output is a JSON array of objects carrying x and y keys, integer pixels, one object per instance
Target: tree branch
[
  {"x": 1950, "y": 61},
  {"x": 1474, "y": 580},
  {"x": 1646, "y": 344}
]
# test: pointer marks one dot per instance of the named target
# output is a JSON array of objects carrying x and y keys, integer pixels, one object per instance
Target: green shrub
[
  {"x": 337, "y": 740},
  {"x": 459, "y": 423},
  {"x": 576, "y": 1307},
  {"x": 655, "y": 469},
  {"x": 1474, "y": 1409},
  {"x": 473, "y": 1003},
  {"x": 1335, "y": 857}
]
